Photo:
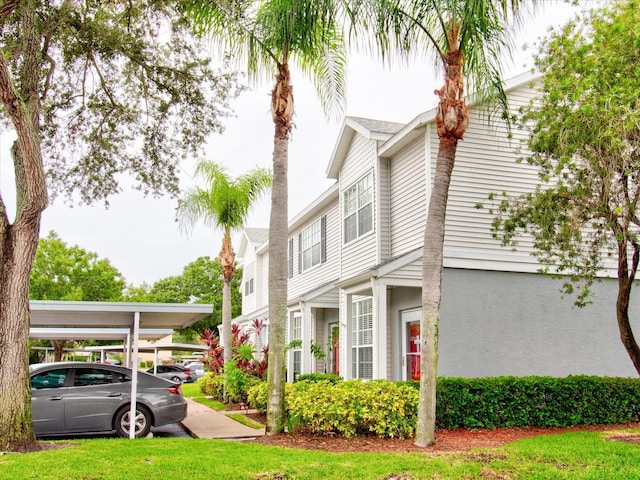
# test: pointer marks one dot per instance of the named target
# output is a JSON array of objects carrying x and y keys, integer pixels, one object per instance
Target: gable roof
[
  {"x": 414, "y": 128},
  {"x": 252, "y": 236},
  {"x": 378, "y": 130}
]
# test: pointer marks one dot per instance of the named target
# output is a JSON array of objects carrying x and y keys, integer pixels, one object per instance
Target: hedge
[
  {"x": 388, "y": 409},
  {"x": 536, "y": 401}
]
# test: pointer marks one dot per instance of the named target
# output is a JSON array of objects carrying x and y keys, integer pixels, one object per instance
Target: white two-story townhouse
[{"x": 355, "y": 262}]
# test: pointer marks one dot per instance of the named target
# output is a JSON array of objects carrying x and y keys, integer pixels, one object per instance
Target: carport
[
  {"x": 155, "y": 348},
  {"x": 62, "y": 320}
]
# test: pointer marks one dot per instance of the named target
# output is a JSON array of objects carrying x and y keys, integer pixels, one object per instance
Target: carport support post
[{"x": 134, "y": 375}]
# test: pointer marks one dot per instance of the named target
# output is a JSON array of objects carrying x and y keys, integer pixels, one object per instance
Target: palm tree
[
  {"x": 266, "y": 35},
  {"x": 225, "y": 204},
  {"x": 468, "y": 38}
]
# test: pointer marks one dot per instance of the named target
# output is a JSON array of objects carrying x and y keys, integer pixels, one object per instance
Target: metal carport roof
[{"x": 112, "y": 320}]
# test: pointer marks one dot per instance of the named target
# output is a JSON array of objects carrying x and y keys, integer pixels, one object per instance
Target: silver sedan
[{"x": 81, "y": 398}]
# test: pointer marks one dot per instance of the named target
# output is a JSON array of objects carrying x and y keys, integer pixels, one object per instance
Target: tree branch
[{"x": 7, "y": 8}]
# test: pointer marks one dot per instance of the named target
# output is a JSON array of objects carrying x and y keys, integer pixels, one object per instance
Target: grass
[
  {"x": 191, "y": 389},
  {"x": 242, "y": 418},
  {"x": 209, "y": 402},
  {"x": 575, "y": 455}
]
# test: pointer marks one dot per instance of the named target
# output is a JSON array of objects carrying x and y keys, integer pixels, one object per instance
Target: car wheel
[
  {"x": 176, "y": 379},
  {"x": 142, "y": 423}
]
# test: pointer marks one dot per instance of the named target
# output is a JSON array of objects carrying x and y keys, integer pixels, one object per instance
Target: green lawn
[
  {"x": 576, "y": 455},
  {"x": 191, "y": 389}
]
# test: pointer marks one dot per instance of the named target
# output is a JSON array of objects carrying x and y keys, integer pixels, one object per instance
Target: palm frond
[
  {"x": 224, "y": 203},
  {"x": 261, "y": 34}
]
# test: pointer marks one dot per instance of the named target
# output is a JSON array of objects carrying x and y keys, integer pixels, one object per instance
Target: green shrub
[
  {"x": 212, "y": 385},
  {"x": 354, "y": 407},
  {"x": 257, "y": 395},
  {"x": 536, "y": 401},
  {"x": 389, "y": 409},
  {"x": 319, "y": 377}
]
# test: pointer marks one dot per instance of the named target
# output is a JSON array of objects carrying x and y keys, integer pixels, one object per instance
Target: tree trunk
[
  {"x": 625, "y": 282},
  {"x": 282, "y": 111},
  {"x": 17, "y": 253},
  {"x": 452, "y": 118},
  {"x": 19, "y": 242},
  {"x": 227, "y": 259},
  {"x": 58, "y": 349}
]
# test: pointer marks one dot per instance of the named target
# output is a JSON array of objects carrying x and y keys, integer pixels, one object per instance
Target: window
[
  {"x": 313, "y": 244},
  {"x": 362, "y": 338},
  {"x": 249, "y": 275},
  {"x": 91, "y": 376},
  {"x": 358, "y": 208},
  {"x": 296, "y": 337},
  {"x": 50, "y": 379}
]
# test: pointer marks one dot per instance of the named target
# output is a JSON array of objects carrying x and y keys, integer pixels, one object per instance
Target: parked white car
[{"x": 197, "y": 369}]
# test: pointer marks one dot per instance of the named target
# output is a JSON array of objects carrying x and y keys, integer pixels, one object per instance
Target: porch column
[
  {"x": 379, "y": 289},
  {"x": 346, "y": 337},
  {"x": 307, "y": 327}
]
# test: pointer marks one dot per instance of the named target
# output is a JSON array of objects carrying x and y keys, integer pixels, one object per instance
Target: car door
[
  {"x": 48, "y": 393},
  {"x": 93, "y": 398}
]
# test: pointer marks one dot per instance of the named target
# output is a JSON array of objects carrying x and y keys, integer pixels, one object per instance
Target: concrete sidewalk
[{"x": 204, "y": 422}]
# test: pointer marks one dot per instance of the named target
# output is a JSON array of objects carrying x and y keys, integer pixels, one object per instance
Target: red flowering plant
[{"x": 243, "y": 350}]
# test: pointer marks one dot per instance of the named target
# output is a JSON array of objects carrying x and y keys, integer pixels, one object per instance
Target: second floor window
[
  {"x": 311, "y": 244},
  {"x": 249, "y": 275},
  {"x": 358, "y": 208}
]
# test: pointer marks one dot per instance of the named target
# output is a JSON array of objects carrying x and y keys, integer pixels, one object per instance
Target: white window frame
[
  {"x": 362, "y": 338},
  {"x": 249, "y": 274},
  {"x": 358, "y": 208},
  {"x": 311, "y": 245}
]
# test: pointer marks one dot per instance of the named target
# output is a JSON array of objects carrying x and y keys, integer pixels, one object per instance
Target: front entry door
[{"x": 411, "y": 344}]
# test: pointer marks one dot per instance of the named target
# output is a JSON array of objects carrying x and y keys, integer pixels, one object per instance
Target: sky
[{"x": 139, "y": 235}]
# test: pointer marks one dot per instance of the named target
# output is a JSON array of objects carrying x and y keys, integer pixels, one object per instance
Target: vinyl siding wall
[
  {"x": 360, "y": 253},
  {"x": 408, "y": 198},
  {"x": 383, "y": 212},
  {"x": 318, "y": 275},
  {"x": 485, "y": 163}
]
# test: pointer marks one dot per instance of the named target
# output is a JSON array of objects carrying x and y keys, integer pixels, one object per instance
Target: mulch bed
[{"x": 446, "y": 440}]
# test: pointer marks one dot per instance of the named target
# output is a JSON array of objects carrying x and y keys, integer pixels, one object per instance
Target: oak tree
[{"x": 94, "y": 92}]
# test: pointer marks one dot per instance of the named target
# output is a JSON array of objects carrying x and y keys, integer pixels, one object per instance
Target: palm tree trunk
[
  {"x": 227, "y": 259},
  {"x": 452, "y": 118},
  {"x": 432, "y": 293},
  {"x": 282, "y": 110}
]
